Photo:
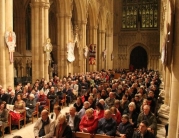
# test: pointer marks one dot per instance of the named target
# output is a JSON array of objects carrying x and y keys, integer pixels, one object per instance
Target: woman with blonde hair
[
  {"x": 62, "y": 130},
  {"x": 89, "y": 122}
]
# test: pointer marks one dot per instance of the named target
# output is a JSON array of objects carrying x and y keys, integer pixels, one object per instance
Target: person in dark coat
[
  {"x": 63, "y": 130},
  {"x": 143, "y": 132},
  {"x": 11, "y": 99},
  {"x": 73, "y": 120},
  {"x": 30, "y": 103},
  {"x": 107, "y": 125},
  {"x": 52, "y": 97},
  {"x": 125, "y": 129}
]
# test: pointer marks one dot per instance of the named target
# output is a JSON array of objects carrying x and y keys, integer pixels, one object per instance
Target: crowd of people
[{"x": 123, "y": 106}]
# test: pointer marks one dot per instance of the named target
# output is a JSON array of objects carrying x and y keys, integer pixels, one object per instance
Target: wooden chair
[
  {"x": 82, "y": 135},
  {"x": 102, "y": 136},
  {"x": 63, "y": 101},
  {"x": 21, "y": 119},
  {"x": 8, "y": 125},
  {"x": 36, "y": 112},
  {"x": 47, "y": 107}
]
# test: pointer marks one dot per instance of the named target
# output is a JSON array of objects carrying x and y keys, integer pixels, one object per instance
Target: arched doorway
[{"x": 138, "y": 58}]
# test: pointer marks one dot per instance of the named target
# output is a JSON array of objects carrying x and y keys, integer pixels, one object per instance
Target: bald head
[
  {"x": 44, "y": 115},
  {"x": 107, "y": 114}
]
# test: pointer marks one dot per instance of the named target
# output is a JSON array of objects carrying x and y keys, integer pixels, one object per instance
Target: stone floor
[{"x": 27, "y": 132}]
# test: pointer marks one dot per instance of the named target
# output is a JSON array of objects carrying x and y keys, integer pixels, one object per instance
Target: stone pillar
[
  {"x": 39, "y": 31},
  {"x": 173, "y": 117},
  {"x": 93, "y": 40},
  {"x": 101, "y": 61},
  {"x": 35, "y": 40},
  {"x": 109, "y": 45},
  {"x": 46, "y": 35},
  {"x": 82, "y": 59},
  {"x": 167, "y": 86},
  {"x": 9, "y": 25},
  {"x": 2, "y": 44}
]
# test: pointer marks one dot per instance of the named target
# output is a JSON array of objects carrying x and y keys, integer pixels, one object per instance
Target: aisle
[{"x": 27, "y": 131}]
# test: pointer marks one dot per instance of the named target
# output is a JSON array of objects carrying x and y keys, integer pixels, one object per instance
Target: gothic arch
[{"x": 130, "y": 48}]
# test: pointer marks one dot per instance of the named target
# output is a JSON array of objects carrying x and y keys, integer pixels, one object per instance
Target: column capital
[{"x": 102, "y": 31}]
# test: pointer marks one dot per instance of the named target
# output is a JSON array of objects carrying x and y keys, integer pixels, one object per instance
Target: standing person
[
  {"x": 143, "y": 132},
  {"x": 44, "y": 126}
]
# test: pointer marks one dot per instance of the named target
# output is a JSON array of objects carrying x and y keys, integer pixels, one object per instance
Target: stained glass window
[{"x": 144, "y": 12}]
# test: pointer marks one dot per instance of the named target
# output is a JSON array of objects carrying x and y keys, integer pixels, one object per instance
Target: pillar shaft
[
  {"x": 2, "y": 44},
  {"x": 39, "y": 31},
  {"x": 173, "y": 117},
  {"x": 167, "y": 86},
  {"x": 9, "y": 25},
  {"x": 109, "y": 45},
  {"x": 46, "y": 35}
]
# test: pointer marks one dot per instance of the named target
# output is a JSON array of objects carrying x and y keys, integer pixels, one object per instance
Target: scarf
[{"x": 60, "y": 130}]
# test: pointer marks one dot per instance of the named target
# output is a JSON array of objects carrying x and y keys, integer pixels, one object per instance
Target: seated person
[
  {"x": 99, "y": 111},
  {"x": 62, "y": 130},
  {"x": 133, "y": 115},
  {"x": 44, "y": 126},
  {"x": 52, "y": 97},
  {"x": 3, "y": 96},
  {"x": 107, "y": 125},
  {"x": 42, "y": 100},
  {"x": 110, "y": 100},
  {"x": 88, "y": 123},
  {"x": 143, "y": 132},
  {"x": 19, "y": 109},
  {"x": 78, "y": 104},
  {"x": 73, "y": 120},
  {"x": 11, "y": 99},
  {"x": 81, "y": 113},
  {"x": 125, "y": 129},
  {"x": 56, "y": 113},
  {"x": 116, "y": 115},
  {"x": 149, "y": 117},
  {"x": 3, "y": 117},
  {"x": 30, "y": 104}
]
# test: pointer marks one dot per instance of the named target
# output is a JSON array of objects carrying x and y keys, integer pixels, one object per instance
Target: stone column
[
  {"x": 101, "y": 61},
  {"x": 60, "y": 47},
  {"x": 93, "y": 40},
  {"x": 173, "y": 117},
  {"x": 46, "y": 35},
  {"x": 41, "y": 40},
  {"x": 109, "y": 45},
  {"x": 9, "y": 25},
  {"x": 35, "y": 40},
  {"x": 2, "y": 44},
  {"x": 82, "y": 59},
  {"x": 167, "y": 86}
]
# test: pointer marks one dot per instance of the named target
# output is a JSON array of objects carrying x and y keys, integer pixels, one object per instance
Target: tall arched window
[{"x": 143, "y": 12}]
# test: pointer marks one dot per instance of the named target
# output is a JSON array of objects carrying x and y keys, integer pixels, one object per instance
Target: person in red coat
[
  {"x": 116, "y": 115},
  {"x": 89, "y": 122},
  {"x": 99, "y": 111}
]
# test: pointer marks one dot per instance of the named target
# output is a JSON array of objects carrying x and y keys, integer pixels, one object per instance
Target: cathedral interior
[{"x": 107, "y": 34}]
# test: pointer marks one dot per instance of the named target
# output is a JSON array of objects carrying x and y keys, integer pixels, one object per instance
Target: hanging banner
[
  {"x": 10, "y": 38},
  {"x": 92, "y": 54},
  {"x": 70, "y": 51}
]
